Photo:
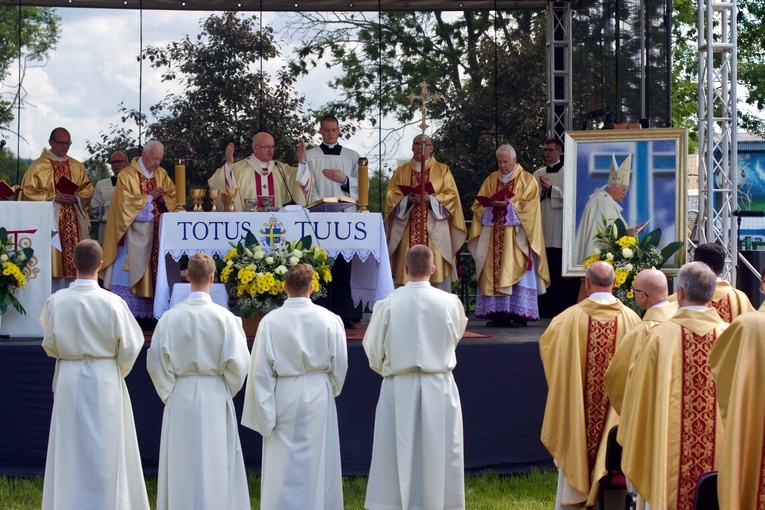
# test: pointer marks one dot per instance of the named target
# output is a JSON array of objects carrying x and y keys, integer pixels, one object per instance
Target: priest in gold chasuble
[
  {"x": 737, "y": 360},
  {"x": 508, "y": 246},
  {"x": 576, "y": 349},
  {"x": 670, "y": 427},
  {"x": 70, "y": 219},
  {"x": 131, "y": 242},
  {"x": 441, "y": 227}
]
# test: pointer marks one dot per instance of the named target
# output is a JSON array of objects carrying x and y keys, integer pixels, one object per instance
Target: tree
[
  {"x": 226, "y": 98},
  {"x": 484, "y": 66},
  {"x": 8, "y": 164},
  {"x": 33, "y": 42}
]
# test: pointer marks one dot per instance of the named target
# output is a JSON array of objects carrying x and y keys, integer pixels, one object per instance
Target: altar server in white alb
[
  {"x": 198, "y": 361},
  {"x": 417, "y": 456},
  {"x": 298, "y": 367},
  {"x": 93, "y": 459}
]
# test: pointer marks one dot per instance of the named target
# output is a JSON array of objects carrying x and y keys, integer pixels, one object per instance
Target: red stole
[
  {"x": 498, "y": 234},
  {"x": 601, "y": 343},
  {"x": 68, "y": 226},
  {"x": 264, "y": 185},
  {"x": 147, "y": 185},
  {"x": 724, "y": 309},
  {"x": 418, "y": 222}
]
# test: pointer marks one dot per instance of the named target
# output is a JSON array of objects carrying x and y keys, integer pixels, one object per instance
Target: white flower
[
  {"x": 629, "y": 268},
  {"x": 229, "y": 262},
  {"x": 269, "y": 260},
  {"x": 297, "y": 253},
  {"x": 615, "y": 231},
  {"x": 248, "y": 252},
  {"x": 294, "y": 260},
  {"x": 4, "y": 257},
  {"x": 627, "y": 253},
  {"x": 609, "y": 256},
  {"x": 259, "y": 254},
  {"x": 280, "y": 270},
  {"x": 596, "y": 251}
]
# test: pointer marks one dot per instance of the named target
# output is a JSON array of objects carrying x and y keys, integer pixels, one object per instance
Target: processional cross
[{"x": 423, "y": 98}]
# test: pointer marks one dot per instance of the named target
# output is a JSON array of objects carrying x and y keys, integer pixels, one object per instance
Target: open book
[
  {"x": 496, "y": 197},
  {"x": 332, "y": 204},
  {"x": 408, "y": 190},
  {"x": 7, "y": 191},
  {"x": 65, "y": 185}
]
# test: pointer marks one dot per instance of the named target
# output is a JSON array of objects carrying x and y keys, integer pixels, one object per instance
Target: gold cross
[{"x": 423, "y": 97}]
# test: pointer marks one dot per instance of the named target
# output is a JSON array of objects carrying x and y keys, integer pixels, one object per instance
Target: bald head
[
  {"x": 263, "y": 146},
  {"x": 599, "y": 277},
  {"x": 650, "y": 287}
]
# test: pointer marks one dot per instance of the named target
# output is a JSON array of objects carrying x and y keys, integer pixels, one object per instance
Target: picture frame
[{"x": 657, "y": 192}]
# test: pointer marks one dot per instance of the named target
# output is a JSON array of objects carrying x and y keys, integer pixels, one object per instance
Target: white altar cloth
[{"x": 354, "y": 236}]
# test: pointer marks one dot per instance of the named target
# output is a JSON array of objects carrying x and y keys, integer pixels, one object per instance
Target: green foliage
[
  {"x": 39, "y": 34},
  {"x": 11, "y": 166},
  {"x": 225, "y": 98},
  {"x": 378, "y": 185}
]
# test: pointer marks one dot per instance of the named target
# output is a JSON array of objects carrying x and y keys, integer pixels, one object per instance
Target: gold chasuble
[
  {"x": 737, "y": 360},
  {"x": 576, "y": 349},
  {"x": 444, "y": 237},
  {"x": 71, "y": 220},
  {"x": 130, "y": 195},
  {"x": 628, "y": 350},
  {"x": 670, "y": 428},
  {"x": 727, "y": 300},
  {"x": 503, "y": 253}
]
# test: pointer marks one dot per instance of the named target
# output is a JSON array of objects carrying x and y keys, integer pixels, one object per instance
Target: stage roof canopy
[{"x": 295, "y": 5}]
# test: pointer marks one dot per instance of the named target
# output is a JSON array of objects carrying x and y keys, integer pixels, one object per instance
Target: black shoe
[
  {"x": 348, "y": 324},
  {"x": 498, "y": 323},
  {"x": 518, "y": 323}
]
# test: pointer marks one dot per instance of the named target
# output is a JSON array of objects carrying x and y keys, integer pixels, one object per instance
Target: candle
[
  {"x": 180, "y": 186},
  {"x": 363, "y": 184}
]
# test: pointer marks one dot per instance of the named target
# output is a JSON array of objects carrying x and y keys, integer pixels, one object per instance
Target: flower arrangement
[
  {"x": 12, "y": 264},
  {"x": 255, "y": 273},
  {"x": 629, "y": 255}
]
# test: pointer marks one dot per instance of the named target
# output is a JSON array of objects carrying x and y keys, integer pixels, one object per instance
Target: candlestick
[
  {"x": 180, "y": 186},
  {"x": 363, "y": 184}
]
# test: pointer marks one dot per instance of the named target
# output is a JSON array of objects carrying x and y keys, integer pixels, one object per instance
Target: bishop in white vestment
[
  {"x": 298, "y": 366},
  {"x": 417, "y": 456},
  {"x": 93, "y": 460},
  {"x": 198, "y": 361}
]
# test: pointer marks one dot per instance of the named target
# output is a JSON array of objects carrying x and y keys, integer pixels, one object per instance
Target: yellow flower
[
  {"x": 326, "y": 274},
  {"x": 630, "y": 295},
  {"x": 226, "y": 273},
  {"x": 231, "y": 255},
  {"x": 620, "y": 277},
  {"x": 627, "y": 241},
  {"x": 589, "y": 260}
]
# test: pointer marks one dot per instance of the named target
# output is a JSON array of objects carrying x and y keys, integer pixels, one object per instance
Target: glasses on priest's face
[{"x": 641, "y": 291}]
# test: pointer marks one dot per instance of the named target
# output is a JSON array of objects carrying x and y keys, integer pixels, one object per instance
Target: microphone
[
  {"x": 2, "y": 144},
  {"x": 748, "y": 214}
]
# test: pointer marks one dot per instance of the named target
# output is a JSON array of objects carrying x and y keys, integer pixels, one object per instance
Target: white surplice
[
  {"x": 298, "y": 366},
  {"x": 93, "y": 460},
  {"x": 197, "y": 361},
  {"x": 347, "y": 162},
  {"x": 417, "y": 456}
]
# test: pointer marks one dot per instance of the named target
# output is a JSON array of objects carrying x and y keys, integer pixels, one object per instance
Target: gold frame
[{"x": 606, "y": 141}]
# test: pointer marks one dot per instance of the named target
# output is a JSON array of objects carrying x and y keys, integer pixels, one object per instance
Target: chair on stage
[
  {"x": 614, "y": 479},
  {"x": 706, "y": 492}
]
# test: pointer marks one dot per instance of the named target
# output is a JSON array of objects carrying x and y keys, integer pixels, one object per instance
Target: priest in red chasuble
[
  {"x": 576, "y": 349},
  {"x": 737, "y": 361},
  {"x": 131, "y": 242},
  {"x": 670, "y": 425},
  {"x": 43, "y": 182},
  {"x": 507, "y": 244},
  {"x": 440, "y": 226}
]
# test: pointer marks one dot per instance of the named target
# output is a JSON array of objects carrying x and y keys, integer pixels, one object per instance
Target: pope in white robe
[
  {"x": 298, "y": 367},
  {"x": 93, "y": 459},
  {"x": 417, "y": 456},
  {"x": 198, "y": 361}
]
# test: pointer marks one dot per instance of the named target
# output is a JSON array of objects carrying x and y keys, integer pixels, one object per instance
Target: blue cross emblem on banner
[{"x": 273, "y": 232}]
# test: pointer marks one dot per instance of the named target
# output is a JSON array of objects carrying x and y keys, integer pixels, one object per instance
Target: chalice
[
  {"x": 214, "y": 194},
  {"x": 228, "y": 199},
  {"x": 198, "y": 194}
]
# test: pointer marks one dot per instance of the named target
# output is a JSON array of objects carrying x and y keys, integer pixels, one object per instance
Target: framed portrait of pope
[{"x": 638, "y": 175}]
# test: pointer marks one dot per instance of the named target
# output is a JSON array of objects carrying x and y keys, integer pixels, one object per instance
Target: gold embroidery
[
  {"x": 601, "y": 343},
  {"x": 724, "y": 309},
  {"x": 699, "y": 410},
  {"x": 147, "y": 186},
  {"x": 68, "y": 227},
  {"x": 498, "y": 238},
  {"x": 418, "y": 222}
]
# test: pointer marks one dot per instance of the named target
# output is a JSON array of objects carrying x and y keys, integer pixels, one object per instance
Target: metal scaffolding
[
  {"x": 718, "y": 150},
  {"x": 559, "y": 63}
]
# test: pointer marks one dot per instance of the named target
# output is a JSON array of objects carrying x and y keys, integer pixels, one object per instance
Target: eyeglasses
[
  {"x": 267, "y": 147},
  {"x": 62, "y": 143},
  {"x": 426, "y": 144},
  {"x": 642, "y": 291},
  {"x": 547, "y": 149},
  {"x": 114, "y": 161}
]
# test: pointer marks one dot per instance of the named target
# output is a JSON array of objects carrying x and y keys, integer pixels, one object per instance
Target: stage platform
[{"x": 500, "y": 379}]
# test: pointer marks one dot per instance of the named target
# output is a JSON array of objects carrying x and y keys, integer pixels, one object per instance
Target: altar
[{"x": 357, "y": 237}]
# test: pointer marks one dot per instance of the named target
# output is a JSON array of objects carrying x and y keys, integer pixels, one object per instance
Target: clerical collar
[
  {"x": 553, "y": 169},
  {"x": 417, "y": 164},
  {"x": 695, "y": 307},
  {"x": 145, "y": 171},
  {"x": 199, "y": 294},
  {"x": 659, "y": 303},
  {"x": 84, "y": 281},
  {"x": 506, "y": 177},
  {"x": 331, "y": 149},
  {"x": 602, "y": 297},
  {"x": 260, "y": 165},
  {"x": 53, "y": 156}
]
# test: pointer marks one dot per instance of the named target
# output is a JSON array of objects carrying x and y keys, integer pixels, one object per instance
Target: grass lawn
[{"x": 533, "y": 490}]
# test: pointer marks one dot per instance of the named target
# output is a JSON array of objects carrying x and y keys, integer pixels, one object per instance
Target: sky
[{"x": 94, "y": 69}]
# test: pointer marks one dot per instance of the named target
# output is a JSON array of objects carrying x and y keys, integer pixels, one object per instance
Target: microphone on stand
[
  {"x": 2, "y": 144},
  {"x": 743, "y": 213}
]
